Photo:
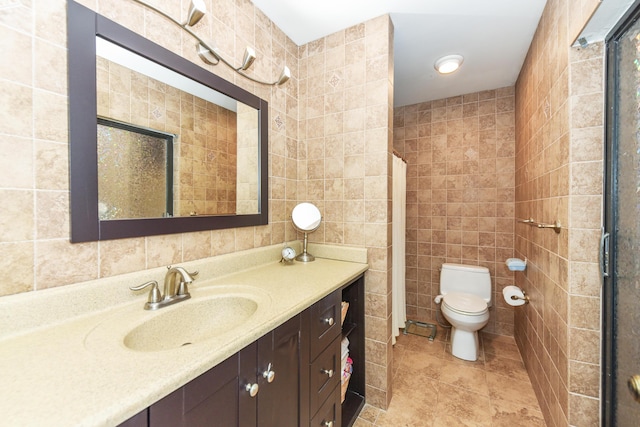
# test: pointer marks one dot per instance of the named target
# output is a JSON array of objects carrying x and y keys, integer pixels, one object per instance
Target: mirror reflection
[
  {"x": 125, "y": 189},
  {"x": 202, "y": 158}
]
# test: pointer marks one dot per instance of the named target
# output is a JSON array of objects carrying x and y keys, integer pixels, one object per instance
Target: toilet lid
[{"x": 465, "y": 303}]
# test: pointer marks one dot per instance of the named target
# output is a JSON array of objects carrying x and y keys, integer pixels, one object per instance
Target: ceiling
[{"x": 492, "y": 35}]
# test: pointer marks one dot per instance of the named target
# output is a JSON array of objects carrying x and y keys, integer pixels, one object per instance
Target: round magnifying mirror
[{"x": 306, "y": 217}]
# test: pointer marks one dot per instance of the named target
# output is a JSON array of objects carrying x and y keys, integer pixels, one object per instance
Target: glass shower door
[{"x": 620, "y": 256}]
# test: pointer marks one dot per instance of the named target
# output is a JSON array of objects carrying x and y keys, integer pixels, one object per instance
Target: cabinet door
[
  {"x": 212, "y": 399},
  {"x": 279, "y": 361},
  {"x": 138, "y": 420}
]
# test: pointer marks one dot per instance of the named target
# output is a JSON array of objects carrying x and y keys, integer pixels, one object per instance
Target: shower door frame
[{"x": 610, "y": 214}]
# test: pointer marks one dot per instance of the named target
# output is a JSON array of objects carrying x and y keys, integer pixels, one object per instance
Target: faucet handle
[
  {"x": 154, "y": 293},
  {"x": 183, "y": 286}
]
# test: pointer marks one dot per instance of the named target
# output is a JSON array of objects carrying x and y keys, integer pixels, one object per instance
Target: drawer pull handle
[
  {"x": 269, "y": 374},
  {"x": 329, "y": 321},
  {"x": 328, "y": 423},
  {"x": 329, "y": 372},
  {"x": 252, "y": 389}
]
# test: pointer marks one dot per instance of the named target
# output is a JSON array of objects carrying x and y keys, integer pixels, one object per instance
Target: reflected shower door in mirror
[
  {"x": 216, "y": 137},
  {"x": 218, "y": 173},
  {"x": 135, "y": 171}
]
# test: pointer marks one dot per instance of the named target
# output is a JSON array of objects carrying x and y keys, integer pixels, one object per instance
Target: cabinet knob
[
  {"x": 252, "y": 389},
  {"x": 328, "y": 423},
  {"x": 269, "y": 374},
  {"x": 329, "y": 321},
  {"x": 329, "y": 372}
]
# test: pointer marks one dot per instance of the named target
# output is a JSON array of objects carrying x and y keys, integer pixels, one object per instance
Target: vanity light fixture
[
  {"x": 448, "y": 64},
  {"x": 211, "y": 55}
]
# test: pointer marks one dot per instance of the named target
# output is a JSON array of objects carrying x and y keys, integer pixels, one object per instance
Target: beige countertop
[{"x": 63, "y": 362}]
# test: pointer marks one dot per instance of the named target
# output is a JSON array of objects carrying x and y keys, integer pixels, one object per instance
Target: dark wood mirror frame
[{"x": 83, "y": 26}]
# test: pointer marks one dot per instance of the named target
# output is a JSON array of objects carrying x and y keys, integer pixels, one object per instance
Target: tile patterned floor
[{"x": 431, "y": 388}]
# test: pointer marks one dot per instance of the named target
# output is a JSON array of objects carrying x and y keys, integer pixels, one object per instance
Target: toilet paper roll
[{"x": 513, "y": 295}]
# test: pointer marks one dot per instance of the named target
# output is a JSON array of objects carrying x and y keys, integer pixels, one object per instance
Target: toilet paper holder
[{"x": 524, "y": 297}]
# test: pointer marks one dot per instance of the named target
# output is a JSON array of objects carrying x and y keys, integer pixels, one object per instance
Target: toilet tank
[{"x": 471, "y": 279}]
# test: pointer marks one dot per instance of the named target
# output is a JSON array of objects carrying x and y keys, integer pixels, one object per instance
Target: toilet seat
[{"x": 463, "y": 303}]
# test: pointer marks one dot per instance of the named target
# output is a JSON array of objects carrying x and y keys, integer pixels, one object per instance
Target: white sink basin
[{"x": 214, "y": 313}]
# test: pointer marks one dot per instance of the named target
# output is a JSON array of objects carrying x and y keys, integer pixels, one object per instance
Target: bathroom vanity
[
  {"x": 289, "y": 377},
  {"x": 66, "y": 359}
]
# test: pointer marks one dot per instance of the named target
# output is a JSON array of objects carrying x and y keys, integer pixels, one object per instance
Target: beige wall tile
[
  {"x": 17, "y": 216},
  {"x": 16, "y": 170},
  {"x": 17, "y": 50},
  {"x": 559, "y": 139},
  {"x": 50, "y": 116},
  {"x": 457, "y": 167},
  {"x": 16, "y": 108},
  {"x": 80, "y": 263},
  {"x": 51, "y": 66},
  {"x": 52, "y": 214},
  {"x": 51, "y": 166},
  {"x": 122, "y": 256},
  {"x": 18, "y": 256}
]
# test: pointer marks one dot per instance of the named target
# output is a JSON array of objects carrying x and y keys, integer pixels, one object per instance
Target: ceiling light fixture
[
  {"x": 211, "y": 55},
  {"x": 448, "y": 64}
]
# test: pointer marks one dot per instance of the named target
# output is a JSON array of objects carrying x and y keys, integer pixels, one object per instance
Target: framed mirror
[{"x": 157, "y": 144}]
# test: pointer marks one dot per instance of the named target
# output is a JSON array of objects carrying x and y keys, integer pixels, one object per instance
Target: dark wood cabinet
[
  {"x": 212, "y": 399},
  {"x": 295, "y": 371},
  {"x": 223, "y": 396}
]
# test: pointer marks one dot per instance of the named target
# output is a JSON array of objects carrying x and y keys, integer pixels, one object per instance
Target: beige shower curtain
[{"x": 399, "y": 310}]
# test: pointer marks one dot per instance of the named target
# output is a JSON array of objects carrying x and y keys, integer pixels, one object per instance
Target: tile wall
[
  {"x": 330, "y": 136},
  {"x": 460, "y": 194},
  {"x": 559, "y": 145},
  {"x": 344, "y": 167}
]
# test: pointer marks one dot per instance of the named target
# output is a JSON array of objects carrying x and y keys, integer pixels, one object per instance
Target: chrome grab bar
[{"x": 556, "y": 226}]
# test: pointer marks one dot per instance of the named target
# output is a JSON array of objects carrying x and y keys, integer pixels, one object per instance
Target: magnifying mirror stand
[
  {"x": 306, "y": 217},
  {"x": 305, "y": 256}
]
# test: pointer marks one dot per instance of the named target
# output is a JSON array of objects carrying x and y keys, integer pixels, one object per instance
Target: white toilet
[{"x": 466, "y": 298}]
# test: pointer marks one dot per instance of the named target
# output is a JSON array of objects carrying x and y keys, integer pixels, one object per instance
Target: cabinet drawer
[
  {"x": 325, "y": 322},
  {"x": 330, "y": 414},
  {"x": 324, "y": 375}
]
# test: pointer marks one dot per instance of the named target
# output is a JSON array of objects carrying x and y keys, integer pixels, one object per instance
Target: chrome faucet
[{"x": 173, "y": 291}]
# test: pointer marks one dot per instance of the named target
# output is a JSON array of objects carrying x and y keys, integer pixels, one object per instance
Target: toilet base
[{"x": 464, "y": 344}]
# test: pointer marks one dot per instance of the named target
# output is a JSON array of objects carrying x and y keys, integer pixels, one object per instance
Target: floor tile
[
  {"x": 432, "y": 388},
  {"x": 507, "y": 414}
]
